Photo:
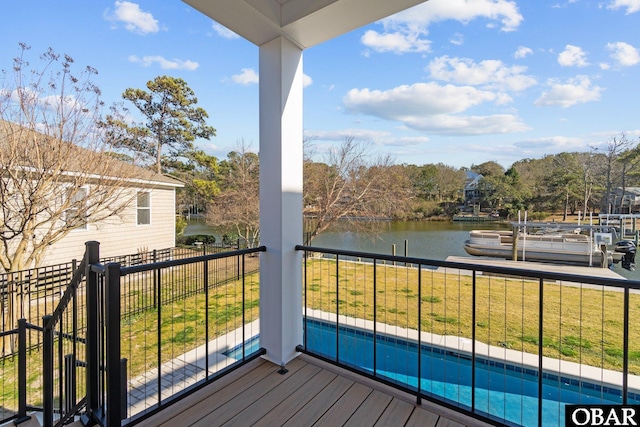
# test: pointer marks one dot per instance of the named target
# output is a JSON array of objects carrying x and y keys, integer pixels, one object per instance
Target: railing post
[
  {"x": 123, "y": 387},
  {"x": 112, "y": 320},
  {"x": 22, "y": 371},
  {"x": 74, "y": 317},
  {"x": 92, "y": 255},
  {"x": 47, "y": 368},
  {"x": 540, "y": 348},
  {"x": 625, "y": 347},
  {"x": 69, "y": 382}
]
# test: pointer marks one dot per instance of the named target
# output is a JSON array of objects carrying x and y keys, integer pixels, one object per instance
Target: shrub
[{"x": 204, "y": 238}]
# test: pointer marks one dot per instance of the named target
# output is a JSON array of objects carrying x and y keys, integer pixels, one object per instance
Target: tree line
[{"x": 350, "y": 182}]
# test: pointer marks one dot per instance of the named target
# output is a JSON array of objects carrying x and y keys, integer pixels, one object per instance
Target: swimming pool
[{"x": 508, "y": 393}]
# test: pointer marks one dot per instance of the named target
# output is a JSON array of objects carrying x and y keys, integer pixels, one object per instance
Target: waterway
[{"x": 422, "y": 239}]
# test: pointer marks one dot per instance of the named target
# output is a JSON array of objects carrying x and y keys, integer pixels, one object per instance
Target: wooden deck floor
[{"x": 311, "y": 393}]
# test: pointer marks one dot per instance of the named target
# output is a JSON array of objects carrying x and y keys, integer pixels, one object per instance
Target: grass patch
[
  {"x": 393, "y": 311},
  {"x": 443, "y": 319},
  {"x": 184, "y": 336},
  {"x": 576, "y": 342}
]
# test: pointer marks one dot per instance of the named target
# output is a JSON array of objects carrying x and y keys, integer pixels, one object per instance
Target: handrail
[
  {"x": 174, "y": 263},
  {"x": 78, "y": 275},
  {"x": 606, "y": 281}
]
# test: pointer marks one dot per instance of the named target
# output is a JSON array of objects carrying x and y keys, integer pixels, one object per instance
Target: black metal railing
[
  {"x": 32, "y": 293},
  {"x": 205, "y": 310},
  {"x": 124, "y": 341},
  {"x": 55, "y": 371},
  {"x": 511, "y": 346}
]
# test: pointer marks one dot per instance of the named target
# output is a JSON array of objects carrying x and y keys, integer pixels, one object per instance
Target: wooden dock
[{"x": 540, "y": 266}]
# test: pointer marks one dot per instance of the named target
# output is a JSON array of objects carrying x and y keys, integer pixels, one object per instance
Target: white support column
[{"x": 281, "y": 161}]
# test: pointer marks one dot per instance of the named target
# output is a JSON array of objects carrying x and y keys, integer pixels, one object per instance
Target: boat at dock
[{"x": 551, "y": 243}]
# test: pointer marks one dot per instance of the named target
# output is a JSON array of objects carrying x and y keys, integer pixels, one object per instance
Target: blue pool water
[
  {"x": 506, "y": 392},
  {"x": 251, "y": 346}
]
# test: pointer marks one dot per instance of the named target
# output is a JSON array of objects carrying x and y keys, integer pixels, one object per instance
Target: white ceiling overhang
[{"x": 305, "y": 23}]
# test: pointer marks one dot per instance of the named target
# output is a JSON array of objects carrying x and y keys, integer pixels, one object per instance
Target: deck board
[
  {"x": 207, "y": 399},
  {"x": 370, "y": 411},
  {"x": 262, "y": 406},
  {"x": 240, "y": 399},
  {"x": 443, "y": 422},
  {"x": 345, "y": 406},
  {"x": 422, "y": 418},
  {"x": 289, "y": 406},
  {"x": 310, "y": 393},
  {"x": 397, "y": 413},
  {"x": 320, "y": 403}
]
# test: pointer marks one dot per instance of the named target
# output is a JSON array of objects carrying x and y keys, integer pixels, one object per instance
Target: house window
[
  {"x": 76, "y": 215},
  {"x": 144, "y": 208}
]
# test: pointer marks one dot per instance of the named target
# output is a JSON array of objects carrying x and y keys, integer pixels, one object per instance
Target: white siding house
[
  {"x": 147, "y": 227},
  {"x": 55, "y": 196}
]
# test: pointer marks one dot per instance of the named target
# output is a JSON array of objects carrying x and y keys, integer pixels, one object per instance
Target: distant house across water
[
  {"x": 625, "y": 202},
  {"x": 472, "y": 192}
]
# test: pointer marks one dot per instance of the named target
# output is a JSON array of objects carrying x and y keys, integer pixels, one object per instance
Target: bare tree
[
  {"x": 608, "y": 160},
  {"x": 237, "y": 205},
  {"x": 57, "y": 173},
  {"x": 351, "y": 186}
]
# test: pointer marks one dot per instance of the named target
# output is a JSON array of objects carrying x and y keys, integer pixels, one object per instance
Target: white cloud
[
  {"x": 51, "y": 103},
  {"x": 247, "y": 77},
  {"x": 224, "y": 32},
  {"x": 165, "y": 64},
  {"x": 421, "y": 16},
  {"x": 419, "y": 98},
  {"x": 457, "y": 39},
  {"x": 404, "y": 32},
  {"x": 134, "y": 19},
  {"x": 631, "y": 5},
  {"x": 445, "y": 124},
  {"x": 379, "y": 138},
  {"x": 306, "y": 80},
  {"x": 578, "y": 90},
  {"x": 522, "y": 52},
  {"x": 572, "y": 56},
  {"x": 489, "y": 74},
  {"x": 340, "y": 135},
  {"x": 433, "y": 108},
  {"x": 395, "y": 42},
  {"x": 553, "y": 144},
  {"x": 623, "y": 53}
]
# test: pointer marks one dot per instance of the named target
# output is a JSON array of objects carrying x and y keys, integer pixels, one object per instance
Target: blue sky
[{"x": 454, "y": 81}]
